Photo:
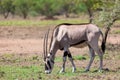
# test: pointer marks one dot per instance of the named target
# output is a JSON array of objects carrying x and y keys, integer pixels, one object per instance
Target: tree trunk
[
  {"x": 67, "y": 15},
  {"x": 108, "y": 28},
  {"x": 49, "y": 18},
  {"x": 6, "y": 15},
  {"x": 24, "y": 15},
  {"x": 90, "y": 15},
  {"x": 106, "y": 33}
]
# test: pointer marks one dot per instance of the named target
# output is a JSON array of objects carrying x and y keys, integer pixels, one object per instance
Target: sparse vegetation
[
  {"x": 31, "y": 67},
  {"x": 80, "y": 57},
  {"x": 37, "y": 72},
  {"x": 117, "y": 32}
]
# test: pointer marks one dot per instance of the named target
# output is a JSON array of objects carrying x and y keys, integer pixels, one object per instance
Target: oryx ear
[{"x": 50, "y": 56}]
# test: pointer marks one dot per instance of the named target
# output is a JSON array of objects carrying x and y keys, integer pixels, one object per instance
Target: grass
[
  {"x": 38, "y": 23},
  {"x": 35, "y": 70},
  {"x": 116, "y": 32},
  {"x": 19, "y": 72},
  {"x": 79, "y": 57},
  {"x": 36, "y": 73}
]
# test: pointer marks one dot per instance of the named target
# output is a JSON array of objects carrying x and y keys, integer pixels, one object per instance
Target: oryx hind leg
[
  {"x": 93, "y": 43},
  {"x": 92, "y": 56},
  {"x": 100, "y": 54}
]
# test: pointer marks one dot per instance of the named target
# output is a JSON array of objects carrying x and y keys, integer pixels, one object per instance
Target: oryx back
[{"x": 75, "y": 35}]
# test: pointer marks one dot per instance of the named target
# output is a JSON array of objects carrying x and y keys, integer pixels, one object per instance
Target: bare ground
[{"x": 29, "y": 40}]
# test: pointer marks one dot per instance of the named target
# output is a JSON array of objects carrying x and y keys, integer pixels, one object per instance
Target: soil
[{"x": 30, "y": 39}]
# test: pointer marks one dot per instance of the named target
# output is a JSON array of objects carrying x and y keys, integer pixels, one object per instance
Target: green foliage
[
  {"x": 33, "y": 13},
  {"x": 93, "y": 4},
  {"x": 47, "y": 8},
  {"x": 22, "y": 7},
  {"x": 72, "y": 6},
  {"x": 6, "y": 7},
  {"x": 50, "y": 8},
  {"x": 110, "y": 12}
]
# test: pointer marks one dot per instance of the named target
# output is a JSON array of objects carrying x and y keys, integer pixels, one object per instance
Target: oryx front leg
[
  {"x": 100, "y": 54},
  {"x": 67, "y": 53},
  {"x": 93, "y": 43},
  {"x": 92, "y": 56},
  {"x": 64, "y": 61}
]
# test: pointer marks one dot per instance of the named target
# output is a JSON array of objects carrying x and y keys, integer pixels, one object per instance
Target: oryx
[{"x": 73, "y": 35}]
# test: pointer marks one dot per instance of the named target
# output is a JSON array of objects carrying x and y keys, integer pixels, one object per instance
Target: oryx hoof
[
  {"x": 87, "y": 70},
  {"x": 62, "y": 71},
  {"x": 73, "y": 70},
  {"x": 100, "y": 70}
]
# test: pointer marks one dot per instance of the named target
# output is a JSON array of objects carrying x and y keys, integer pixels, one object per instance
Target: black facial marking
[
  {"x": 46, "y": 68},
  {"x": 50, "y": 53},
  {"x": 49, "y": 64},
  {"x": 52, "y": 61}
]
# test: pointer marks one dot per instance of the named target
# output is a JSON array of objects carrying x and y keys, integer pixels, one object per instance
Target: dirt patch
[
  {"x": 30, "y": 39},
  {"x": 21, "y": 32},
  {"x": 20, "y": 46}
]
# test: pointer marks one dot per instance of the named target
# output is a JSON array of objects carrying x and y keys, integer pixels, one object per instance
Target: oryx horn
[{"x": 45, "y": 44}]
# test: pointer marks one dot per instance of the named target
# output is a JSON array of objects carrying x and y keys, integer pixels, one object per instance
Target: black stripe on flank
[
  {"x": 78, "y": 43},
  {"x": 75, "y": 44}
]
